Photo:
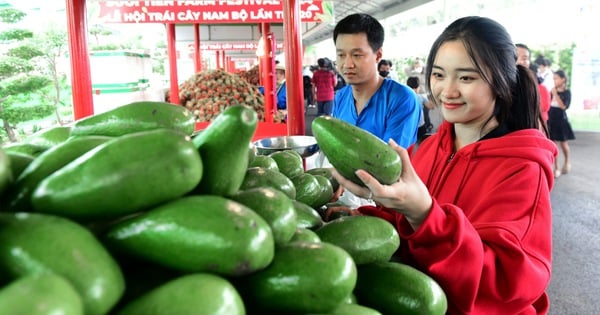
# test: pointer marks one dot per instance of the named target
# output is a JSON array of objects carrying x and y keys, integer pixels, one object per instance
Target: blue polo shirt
[
  {"x": 393, "y": 112},
  {"x": 281, "y": 97}
]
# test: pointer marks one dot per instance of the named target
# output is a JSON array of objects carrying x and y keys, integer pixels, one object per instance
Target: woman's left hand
[{"x": 408, "y": 195}]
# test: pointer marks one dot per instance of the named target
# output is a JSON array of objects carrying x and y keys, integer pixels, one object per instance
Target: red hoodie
[{"x": 487, "y": 240}]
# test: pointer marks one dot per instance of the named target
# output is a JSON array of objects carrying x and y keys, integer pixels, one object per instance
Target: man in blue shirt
[{"x": 386, "y": 108}]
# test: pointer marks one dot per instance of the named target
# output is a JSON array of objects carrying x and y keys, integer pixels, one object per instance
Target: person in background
[
  {"x": 323, "y": 82},
  {"x": 280, "y": 91},
  {"x": 340, "y": 79},
  {"x": 558, "y": 122},
  {"x": 417, "y": 69},
  {"x": 385, "y": 70},
  {"x": 545, "y": 72},
  {"x": 425, "y": 125},
  {"x": 523, "y": 58},
  {"x": 385, "y": 108},
  {"x": 472, "y": 205},
  {"x": 307, "y": 74}
]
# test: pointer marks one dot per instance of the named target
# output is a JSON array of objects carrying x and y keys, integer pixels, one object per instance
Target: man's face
[
  {"x": 523, "y": 57},
  {"x": 355, "y": 59}
]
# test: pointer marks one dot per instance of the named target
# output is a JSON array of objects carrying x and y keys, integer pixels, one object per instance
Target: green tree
[
  {"x": 20, "y": 75},
  {"x": 53, "y": 44},
  {"x": 560, "y": 56},
  {"x": 98, "y": 30}
]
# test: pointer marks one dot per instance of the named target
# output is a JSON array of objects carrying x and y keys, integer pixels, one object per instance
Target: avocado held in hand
[{"x": 349, "y": 148}]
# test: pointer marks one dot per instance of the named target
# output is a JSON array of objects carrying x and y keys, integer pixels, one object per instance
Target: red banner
[{"x": 208, "y": 12}]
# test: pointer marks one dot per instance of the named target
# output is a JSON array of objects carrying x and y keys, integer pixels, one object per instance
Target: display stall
[{"x": 172, "y": 13}]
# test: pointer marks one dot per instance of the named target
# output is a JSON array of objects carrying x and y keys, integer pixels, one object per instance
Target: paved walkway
[{"x": 575, "y": 281}]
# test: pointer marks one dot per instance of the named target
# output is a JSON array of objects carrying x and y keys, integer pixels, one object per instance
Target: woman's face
[
  {"x": 558, "y": 81},
  {"x": 463, "y": 95},
  {"x": 355, "y": 59},
  {"x": 523, "y": 57}
]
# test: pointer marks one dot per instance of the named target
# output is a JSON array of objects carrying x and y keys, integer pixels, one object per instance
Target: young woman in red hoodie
[{"x": 472, "y": 205}]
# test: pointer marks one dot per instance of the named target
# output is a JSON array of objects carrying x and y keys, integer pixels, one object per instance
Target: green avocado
[
  {"x": 350, "y": 148},
  {"x": 135, "y": 117},
  {"x": 352, "y": 309},
  {"x": 121, "y": 176},
  {"x": 192, "y": 294},
  {"x": 325, "y": 193},
  {"x": 275, "y": 207},
  {"x": 308, "y": 189},
  {"x": 33, "y": 243},
  {"x": 223, "y": 146},
  {"x": 25, "y": 148},
  {"x": 305, "y": 235},
  {"x": 19, "y": 195},
  {"x": 327, "y": 173},
  {"x": 198, "y": 233},
  {"x": 264, "y": 161},
  {"x": 367, "y": 239},
  {"x": 6, "y": 175},
  {"x": 396, "y": 288},
  {"x": 18, "y": 162},
  {"x": 288, "y": 162},
  {"x": 304, "y": 277},
  {"x": 50, "y": 137},
  {"x": 307, "y": 217},
  {"x": 40, "y": 294},
  {"x": 262, "y": 177}
]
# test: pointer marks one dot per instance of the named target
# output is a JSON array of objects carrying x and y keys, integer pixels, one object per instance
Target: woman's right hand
[{"x": 408, "y": 196}]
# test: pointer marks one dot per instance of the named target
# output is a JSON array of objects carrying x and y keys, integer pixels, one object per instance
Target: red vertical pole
[
  {"x": 293, "y": 64},
  {"x": 81, "y": 77},
  {"x": 262, "y": 75},
  {"x": 218, "y": 58},
  {"x": 172, "y": 52},
  {"x": 229, "y": 64},
  {"x": 268, "y": 63},
  {"x": 223, "y": 59},
  {"x": 221, "y": 54},
  {"x": 197, "y": 55}
]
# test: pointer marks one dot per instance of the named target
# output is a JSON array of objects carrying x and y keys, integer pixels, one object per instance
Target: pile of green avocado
[{"x": 133, "y": 212}]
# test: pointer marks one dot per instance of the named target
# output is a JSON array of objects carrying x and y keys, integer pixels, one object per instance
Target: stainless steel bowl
[{"x": 304, "y": 145}]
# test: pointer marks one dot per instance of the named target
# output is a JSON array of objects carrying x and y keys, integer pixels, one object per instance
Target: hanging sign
[
  {"x": 232, "y": 46},
  {"x": 208, "y": 12}
]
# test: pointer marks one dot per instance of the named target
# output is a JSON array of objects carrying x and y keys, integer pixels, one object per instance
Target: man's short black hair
[
  {"x": 384, "y": 62},
  {"x": 361, "y": 23},
  {"x": 413, "y": 82}
]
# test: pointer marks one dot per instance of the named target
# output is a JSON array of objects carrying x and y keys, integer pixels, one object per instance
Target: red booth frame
[{"x": 81, "y": 81}]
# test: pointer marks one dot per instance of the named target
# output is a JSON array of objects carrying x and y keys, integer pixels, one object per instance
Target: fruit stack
[
  {"x": 132, "y": 212},
  {"x": 207, "y": 93}
]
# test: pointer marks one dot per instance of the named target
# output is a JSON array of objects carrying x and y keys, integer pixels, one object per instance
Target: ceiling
[
  {"x": 317, "y": 32},
  {"x": 312, "y": 32}
]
